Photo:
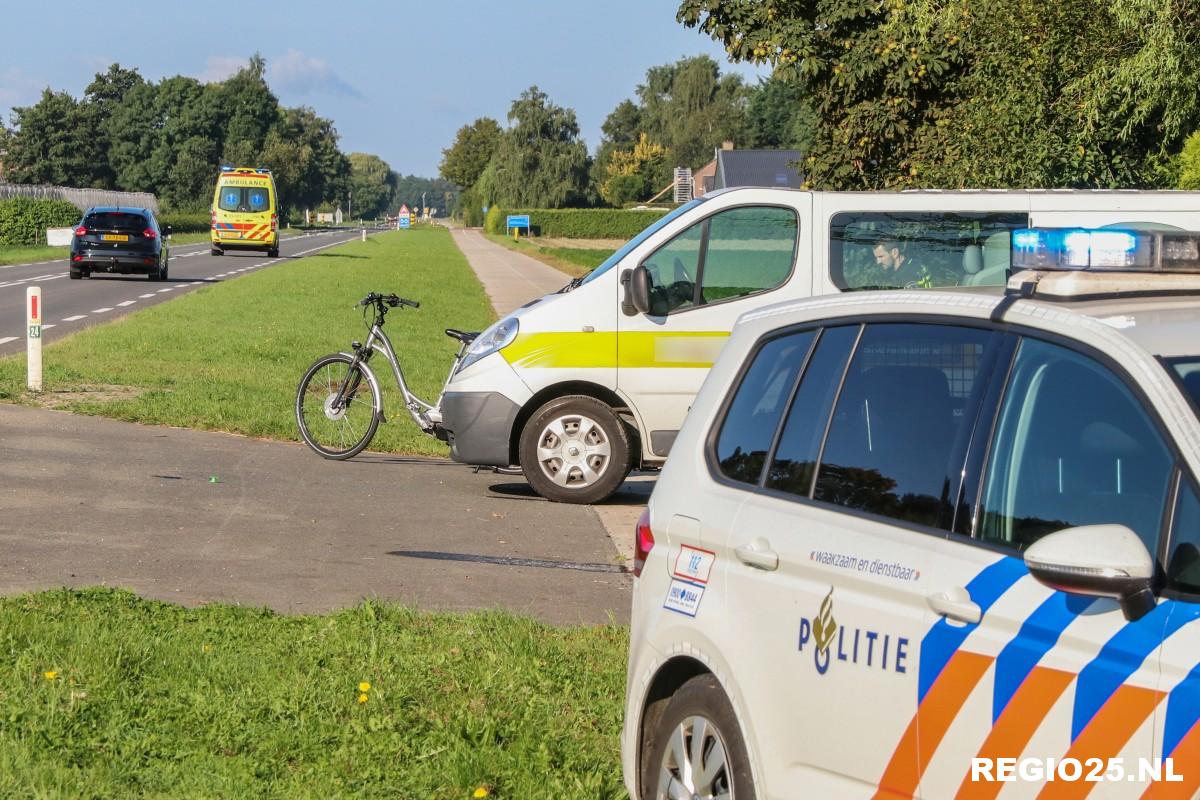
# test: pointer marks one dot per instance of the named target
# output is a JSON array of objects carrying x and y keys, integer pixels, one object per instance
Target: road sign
[
  {"x": 403, "y": 210},
  {"x": 517, "y": 221},
  {"x": 405, "y": 221}
]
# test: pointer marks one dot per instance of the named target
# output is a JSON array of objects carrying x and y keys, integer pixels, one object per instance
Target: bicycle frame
[{"x": 428, "y": 417}]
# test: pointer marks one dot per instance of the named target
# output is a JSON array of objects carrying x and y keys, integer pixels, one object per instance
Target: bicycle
[{"x": 339, "y": 405}]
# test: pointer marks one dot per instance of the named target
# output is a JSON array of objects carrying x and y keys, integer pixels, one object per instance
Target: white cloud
[
  {"x": 218, "y": 68},
  {"x": 299, "y": 74}
]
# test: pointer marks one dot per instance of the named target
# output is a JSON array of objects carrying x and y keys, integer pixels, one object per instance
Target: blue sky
[{"x": 398, "y": 78}]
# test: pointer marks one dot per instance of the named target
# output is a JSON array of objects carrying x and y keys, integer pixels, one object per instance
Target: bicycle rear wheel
[{"x": 337, "y": 432}]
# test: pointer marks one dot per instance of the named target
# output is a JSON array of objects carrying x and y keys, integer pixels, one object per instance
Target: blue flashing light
[{"x": 1027, "y": 239}]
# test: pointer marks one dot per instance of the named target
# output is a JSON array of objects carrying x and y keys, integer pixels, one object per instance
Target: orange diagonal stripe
[
  {"x": 939, "y": 708},
  {"x": 1017, "y": 723},
  {"x": 1186, "y": 762},
  {"x": 1105, "y": 735}
]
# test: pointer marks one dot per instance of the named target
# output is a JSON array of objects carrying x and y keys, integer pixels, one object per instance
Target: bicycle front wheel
[{"x": 333, "y": 428}]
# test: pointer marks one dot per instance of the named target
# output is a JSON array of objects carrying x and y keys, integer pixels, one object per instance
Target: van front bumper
[{"x": 479, "y": 427}]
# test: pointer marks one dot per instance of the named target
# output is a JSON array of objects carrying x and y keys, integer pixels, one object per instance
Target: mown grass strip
[
  {"x": 229, "y": 356},
  {"x": 573, "y": 261},
  {"x": 107, "y": 695}
]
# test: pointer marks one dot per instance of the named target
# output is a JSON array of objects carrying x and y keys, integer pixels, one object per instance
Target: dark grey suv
[{"x": 124, "y": 240}]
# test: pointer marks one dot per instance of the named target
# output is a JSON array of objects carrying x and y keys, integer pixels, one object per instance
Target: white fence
[{"x": 83, "y": 199}]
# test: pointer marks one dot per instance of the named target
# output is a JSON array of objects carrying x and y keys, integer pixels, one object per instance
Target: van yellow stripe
[{"x": 608, "y": 349}]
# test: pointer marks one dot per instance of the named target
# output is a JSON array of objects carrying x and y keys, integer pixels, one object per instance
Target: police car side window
[
  {"x": 1183, "y": 564},
  {"x": 1072, "y": 446},
  {"x": 895, "y": 445},
  {"x": 753, "y": 416}
]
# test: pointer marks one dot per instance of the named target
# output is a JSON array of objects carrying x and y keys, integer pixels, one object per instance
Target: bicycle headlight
[{"x": 497, "y": 337}]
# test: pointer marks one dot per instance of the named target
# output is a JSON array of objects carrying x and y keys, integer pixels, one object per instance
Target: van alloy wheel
[
  {"x": 573, "y": 451},
  {"x": 694, "y": 765}
]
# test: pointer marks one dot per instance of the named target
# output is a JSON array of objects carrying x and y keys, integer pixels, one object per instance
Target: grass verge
[
  {"x": 109, "y": 695},
  {"x": 229, "y": 356},
  {"x": 571, "y": 260}
]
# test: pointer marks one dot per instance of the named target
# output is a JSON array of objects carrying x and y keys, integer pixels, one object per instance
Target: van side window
[
  {"x": 922, "y": 249},
  {"x": 1183, "y": 565},
  {"x": 753, "y": 416},
  {"x": 749, "y": 250},
  {"x": 734, "y": 253},
  {"x": 897, "y": 441},
  {"x": 1073, "y": 446}
]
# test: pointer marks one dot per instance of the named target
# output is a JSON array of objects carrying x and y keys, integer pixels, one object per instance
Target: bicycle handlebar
[{"x": 378, "y": 300}]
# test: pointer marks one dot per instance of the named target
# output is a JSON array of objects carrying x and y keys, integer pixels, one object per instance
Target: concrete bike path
[
  {"x": 193, "y": 517},
  {"x": 511, "y": 280}
]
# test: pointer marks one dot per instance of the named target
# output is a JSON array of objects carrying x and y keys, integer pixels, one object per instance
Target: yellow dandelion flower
[
  {"x": 207, "y": 648},
  {"x": 480, "y": 792},
  {"x": 364, "y": 687},
  {"x": 362, "y": 698},
  {"x": 50, "y": 675}
]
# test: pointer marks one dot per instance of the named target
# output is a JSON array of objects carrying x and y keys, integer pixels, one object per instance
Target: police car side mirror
[
  {"x": 1096, "y": 561},
  {"x": 637, "y": 291}
]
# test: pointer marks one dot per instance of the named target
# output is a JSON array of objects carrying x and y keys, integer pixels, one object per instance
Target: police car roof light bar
[{"x": 1055, "y": 249}]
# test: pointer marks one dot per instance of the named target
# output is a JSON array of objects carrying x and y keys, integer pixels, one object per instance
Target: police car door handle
[
  {"x": 758, "y": 554},
  {"x": 955, "y": 604}
]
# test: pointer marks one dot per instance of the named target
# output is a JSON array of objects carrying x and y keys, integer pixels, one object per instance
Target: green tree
[
  {"x": 252, "y": 111},
  {"x": 439, "y": 194},
  {"x": 998, "y": 93},
  {"x": 778, "y": 116},
  {"x": 474, "y": 145},
  {"x": 540, "y": 162},
  {"x": 691, "y": 108},
  {"x": 302, "y": 153},
  {"x": 1188, "y": 166},
  {"x": 53, "y": 143},
  {"x": 370, "y": 184}
]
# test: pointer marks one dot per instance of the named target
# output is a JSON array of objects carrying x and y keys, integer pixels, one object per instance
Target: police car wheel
[
  {"x": 697, "y": 749},
  {"x": 574, "y": 449}
]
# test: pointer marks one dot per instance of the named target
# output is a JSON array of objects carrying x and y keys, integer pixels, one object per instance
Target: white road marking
[
  {"x": 168, "y": 289},
  {"x": 196, "y": 283},
  {"x": 144, "y": 296},
  {"x": 127, "y": 303},
  {"x": 72, "y": 319},
  {"x": 100, "y": 310},
  {"x": 8, "y": 339},
  {"x": 48, "y": 327}
]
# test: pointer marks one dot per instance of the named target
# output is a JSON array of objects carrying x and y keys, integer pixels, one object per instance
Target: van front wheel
[{"x": 574, "y": 449}]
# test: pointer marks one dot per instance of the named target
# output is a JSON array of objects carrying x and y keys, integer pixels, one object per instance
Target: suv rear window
[
  {"x": 116, "y": 221},
  {"x": 252, "y": 199}
]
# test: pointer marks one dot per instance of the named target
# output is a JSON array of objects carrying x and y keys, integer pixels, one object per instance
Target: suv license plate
[{"x": 115, "y": 237}]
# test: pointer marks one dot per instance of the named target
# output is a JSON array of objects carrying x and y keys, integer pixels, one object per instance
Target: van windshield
[
  {"x": 252, "y": 199},
  {"x": 657, "y": 225}
]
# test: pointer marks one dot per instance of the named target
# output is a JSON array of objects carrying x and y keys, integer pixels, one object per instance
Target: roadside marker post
[
  {"x": 33, "y": 341},
  {"x": 364, "y": 233}
]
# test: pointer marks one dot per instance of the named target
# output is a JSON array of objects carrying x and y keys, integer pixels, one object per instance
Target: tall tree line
[{"x": 171, "y": 137}]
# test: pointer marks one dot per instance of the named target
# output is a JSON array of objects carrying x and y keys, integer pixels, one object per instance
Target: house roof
[{"x": 758, "y": 168}]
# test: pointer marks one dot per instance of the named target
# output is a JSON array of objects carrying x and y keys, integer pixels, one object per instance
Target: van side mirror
[
  {"x": 1096, "y": 561},
  {"x": 637, "y": 291}
]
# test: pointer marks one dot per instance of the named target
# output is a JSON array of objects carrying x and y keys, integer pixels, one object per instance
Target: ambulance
[
  {"x": 935, "y": 544},
  {"x": 245, "y": 213},
  {"x": 580, "y": 386}
]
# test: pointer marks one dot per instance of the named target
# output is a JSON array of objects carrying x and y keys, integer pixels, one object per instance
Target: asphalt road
[
  {"x": 69, "y": 306},
  {"x": 194, "y": 517}
]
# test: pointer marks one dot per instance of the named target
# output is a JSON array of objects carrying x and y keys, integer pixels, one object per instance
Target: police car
[{"x": 935, "y": 543}]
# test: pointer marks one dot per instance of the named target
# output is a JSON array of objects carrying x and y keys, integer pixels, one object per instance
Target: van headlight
[{"x": 497, "y": 337}]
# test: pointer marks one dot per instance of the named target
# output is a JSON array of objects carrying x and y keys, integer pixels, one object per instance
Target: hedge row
[
  {"x": 187, "y": 223},
  {"x": 23, "y": 220},
  {"x": 576, "y": 223}
]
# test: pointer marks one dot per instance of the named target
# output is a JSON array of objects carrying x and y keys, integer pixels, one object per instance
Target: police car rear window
[
  {"x": 244, "y": 199},
  {"x": 1188, "y": 370}
]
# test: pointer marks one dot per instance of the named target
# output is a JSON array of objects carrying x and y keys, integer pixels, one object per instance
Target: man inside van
[{"x": 899, "y": 270}]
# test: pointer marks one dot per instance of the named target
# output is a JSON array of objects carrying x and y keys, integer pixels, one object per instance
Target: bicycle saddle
[{"x": 466, "y": 337}]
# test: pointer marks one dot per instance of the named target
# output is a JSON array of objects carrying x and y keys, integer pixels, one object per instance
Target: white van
[{"x": 580, "y": 386}]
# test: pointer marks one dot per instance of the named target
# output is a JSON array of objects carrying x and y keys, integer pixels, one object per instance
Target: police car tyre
[
  {"x": 336, "y": 433},
  {"x": 697, "y": 749},
  {"x": 575, "y": 449}
]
